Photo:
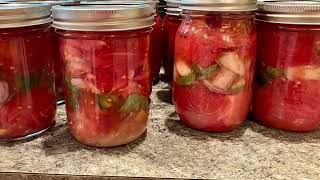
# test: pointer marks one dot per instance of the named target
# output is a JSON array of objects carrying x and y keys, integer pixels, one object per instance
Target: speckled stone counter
[{"x": 170, "y": 150}]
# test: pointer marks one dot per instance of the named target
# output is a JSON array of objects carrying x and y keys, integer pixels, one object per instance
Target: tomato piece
[
  {"x": 204, "y": 110},
  {"x": 286, "y": 48},
  {"x": 288, "y": 105}
]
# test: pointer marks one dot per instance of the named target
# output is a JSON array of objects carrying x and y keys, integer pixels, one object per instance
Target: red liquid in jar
[
  {"x": 27, "y": 97},
  {"x": 107, "y": 85},
  {"x": 287, "y": 90},
  {"x": 157, "y": 54},
  {"x": 172, "y": 24},
  {"x": 213, "y": 71}
]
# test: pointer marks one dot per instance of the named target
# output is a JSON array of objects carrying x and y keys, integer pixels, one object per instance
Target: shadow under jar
[
  {"x": 287, "y": 85},
  {"x": 214, "y": 64},
  {"x": 172, "y": 22},
  {"x": 105, "y": 49},
  {"x": 27, "y": 94}
]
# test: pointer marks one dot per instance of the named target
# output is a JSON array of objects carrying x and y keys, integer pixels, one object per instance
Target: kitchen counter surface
[{"x": 170, "y": 150}]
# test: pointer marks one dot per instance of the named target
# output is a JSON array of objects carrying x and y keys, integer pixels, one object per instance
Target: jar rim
[
  {"x": 289, "y": 12},
  {"x": 14, "y": 15},
  {"x": 126, "y": 2},
  {"x": 102, "y": 17},
  {"x": 219, "y": 5}
]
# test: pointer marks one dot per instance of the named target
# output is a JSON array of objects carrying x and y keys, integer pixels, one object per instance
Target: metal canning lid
[
  {"x": 289, "y": 12},
  {"x": 173, "y": 7},
  {"x": 153, "y": 3},
  {"x": 22, "y": 15},
  {"x": 50, "y": 2},
  {"x": 219, "y": 5},
  {"x": 103, "y": 17}
]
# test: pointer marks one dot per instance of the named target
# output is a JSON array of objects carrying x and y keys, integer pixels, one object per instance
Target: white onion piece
[
  {"x": 222, "y": 82},
  {"x": 182, "y": 68},
  {"x": 232, "y": 62}
]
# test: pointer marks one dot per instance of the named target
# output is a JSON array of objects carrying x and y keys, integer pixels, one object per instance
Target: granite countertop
[{"x": 170, "y": 150}]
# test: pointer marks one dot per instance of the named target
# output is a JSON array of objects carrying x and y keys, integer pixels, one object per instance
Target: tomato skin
[
  {"x": 27, "y": 113},
  {"x": 288, "y": 106}
]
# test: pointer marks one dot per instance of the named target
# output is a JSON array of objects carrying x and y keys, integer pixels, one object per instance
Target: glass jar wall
[
  {"x": 214, "y": 65},
  {"x": 172, "y": 22},
  {"x": 157, "y": 50},
  {"x": 27, "y": 94},
  {"x": 287, "y": 87},
  {"x": 107, "y": 72}
]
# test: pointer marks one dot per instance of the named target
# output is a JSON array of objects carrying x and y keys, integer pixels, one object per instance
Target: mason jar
[
  {"x": 287, "y": 85},
  {"x": 172, "y": 22},
  {"x": 27, "y": 94},
  {"x": 106, "y": 55},
  {"x": 215, "y": 52}
]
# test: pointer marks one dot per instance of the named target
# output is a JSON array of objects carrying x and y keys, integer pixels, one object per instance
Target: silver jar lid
[
  {"x": 173, "y": 7},
  {"x": 103, "y": 17},
  {"x": 219, "y": 5},
  {"x": 50, "y": 2},
  {"x": 22, "y": 15},
  {"x": 289, "y": 12},
  {"x": 152, "y": 3}
]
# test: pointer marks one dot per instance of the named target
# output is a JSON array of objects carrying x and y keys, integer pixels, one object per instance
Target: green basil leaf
[
  {"x": 134, "y": 103},
  {"x": 211, "y": 70},
  {"x": 73, "y": 95},
  {"x": 268, "y": 74},
  {"x": 107, "y": 101},
  {"x": 26, "y": 83}
]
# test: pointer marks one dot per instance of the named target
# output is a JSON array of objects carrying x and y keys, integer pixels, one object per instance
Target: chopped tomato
[
  {"x": 288, "y": 105},
  {"x": 27, "y": 113},
  {"x": 204, "y": 110}
]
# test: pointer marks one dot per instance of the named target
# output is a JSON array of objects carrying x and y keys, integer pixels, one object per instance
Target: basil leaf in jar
[
  {"x": 210, "y": 71},
  {"x": 268, "y": 74},
  {"x": 107, "y": 101},
  {"x": 134, "y": 103},
  {"x": 190, "y": 78},
  {"x": 73, "y": 95},
  {"x": 26, "y": 83}
]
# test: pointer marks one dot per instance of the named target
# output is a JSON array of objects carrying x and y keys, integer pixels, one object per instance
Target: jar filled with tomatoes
[
  {"x": 172, "y": 22},
  {"x": 27, "y": 94},
  {"x": 105, "y": 49},
  {"x": 214, "y": 63},
  {"x": 157, "y": 47},
  {"x": 287, "y": 85}
]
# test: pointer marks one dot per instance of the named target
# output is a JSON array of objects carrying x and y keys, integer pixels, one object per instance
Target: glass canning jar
[
  {"x": 287, "y": 85},
  {"x": 105, "y": 50},
  {"x": 215, "y": 51},
  {"x": 27, "y": 97},
  {"x": 172, "y": 22}
]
